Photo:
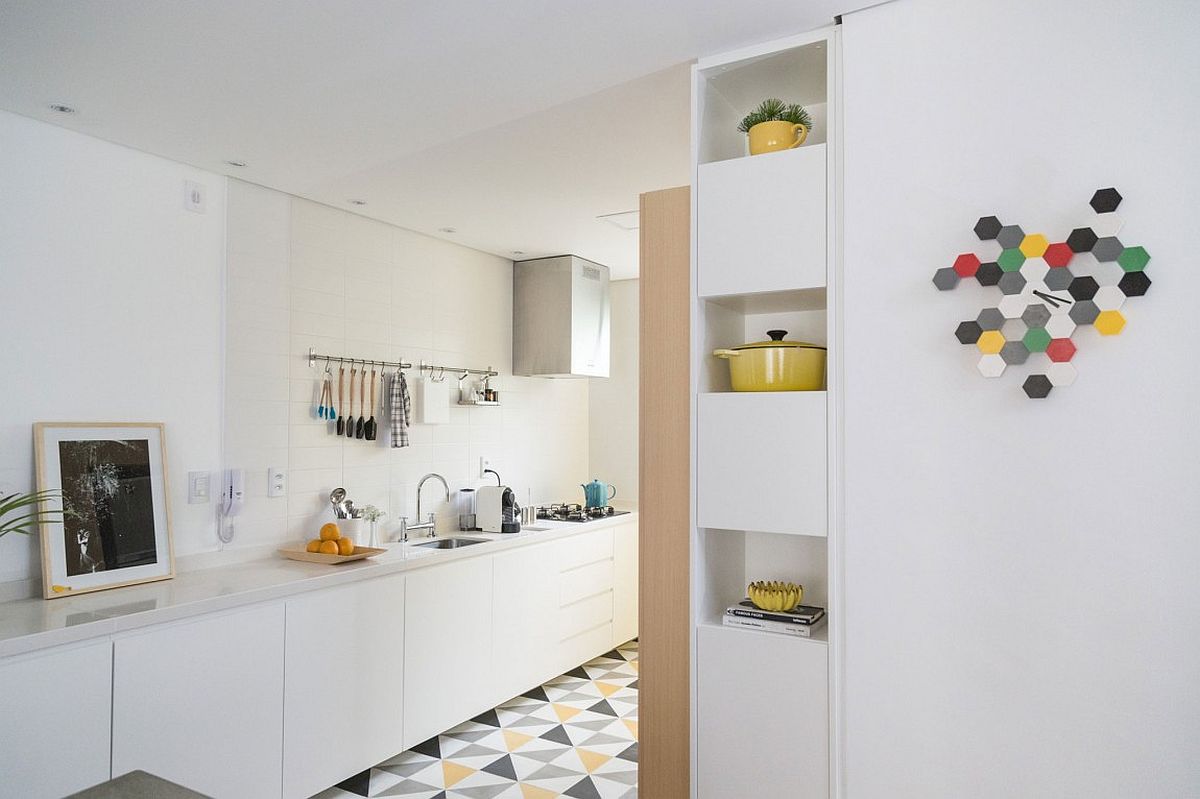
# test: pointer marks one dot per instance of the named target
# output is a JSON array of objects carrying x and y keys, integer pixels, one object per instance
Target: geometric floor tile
[{"x": 575, "y": 736}]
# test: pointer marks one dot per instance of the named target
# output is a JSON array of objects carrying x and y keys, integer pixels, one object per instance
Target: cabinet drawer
[
  {"x": 580, "y": 550},
  {"x": 585, "y": 581},
  {"x": 584, "y": 615},
  {"x": 760, "y": 223}
]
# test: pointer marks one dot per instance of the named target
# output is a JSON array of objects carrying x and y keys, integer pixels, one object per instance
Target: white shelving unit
[{"x": 764, "y": 465}]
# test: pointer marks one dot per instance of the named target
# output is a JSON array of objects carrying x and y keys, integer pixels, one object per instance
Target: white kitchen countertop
[{"x": 28, "y": 625}]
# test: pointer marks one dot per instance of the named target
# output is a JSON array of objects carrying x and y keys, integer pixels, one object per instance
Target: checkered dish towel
[{"x": 401, "y": 410}]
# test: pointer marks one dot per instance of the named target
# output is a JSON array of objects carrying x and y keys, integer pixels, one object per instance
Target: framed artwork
[{"x": 115, "y": 526}]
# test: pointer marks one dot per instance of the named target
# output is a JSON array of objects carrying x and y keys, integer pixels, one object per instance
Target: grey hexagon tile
[
  {"x": 1084, "y": 312},
  {"x": 945, "y": 278},
  {"x": 988, "y": 274},
  {"x": 1061, "y": 326},
  {"x": 1036, "y": 315},
  {"x": 968, "y": 332},
  {"x": 1108, "y": 249},
  {"x": 1014, "y": 330},
  {"x": 991, "y": 365},
  {"x": 1134, "y": 284},
  {"x": 1061, "y": 374},
  {"x": 1010, "y": 236},
  {"x": 1014, "y": 353},
  {"x": 1037, "y": 386},
  {"x": 990, "y": 319},
  {"x": 1058, "y": 279},
  {"x": 1105, "y": 200},
  {"x": 1012, "y": 283},
  {"x": 987, "y": 228},
  {"x": 1109, "y": 298}
]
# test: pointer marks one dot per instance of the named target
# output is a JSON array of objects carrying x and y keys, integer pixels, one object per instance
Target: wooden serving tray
[{"x": 298, "y": 552}]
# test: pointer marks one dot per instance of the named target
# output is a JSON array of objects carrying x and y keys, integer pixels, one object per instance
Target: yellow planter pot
[
  {"x": 776, "y": 365},
  {"x": 767, "y": 137}
]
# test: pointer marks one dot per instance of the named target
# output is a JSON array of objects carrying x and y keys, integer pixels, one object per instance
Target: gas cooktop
[{"x": 576, "y": 513}]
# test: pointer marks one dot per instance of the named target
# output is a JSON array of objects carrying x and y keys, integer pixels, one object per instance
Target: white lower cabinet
[
  {"x": 343, "y": 683},
  {"x": 200, "y": 703},
  {"x": 55, "y": 721},
  {"x": 762, "y": 708},
  {"x": 625, "y": 583},
  {"x": 524, "y": 616},
  {"x": 448, "y": 642}
]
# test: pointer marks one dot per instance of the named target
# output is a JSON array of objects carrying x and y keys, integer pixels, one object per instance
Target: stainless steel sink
[{"x": 451, "y": 543}]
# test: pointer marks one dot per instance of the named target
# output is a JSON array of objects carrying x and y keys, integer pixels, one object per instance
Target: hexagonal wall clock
[{"x": 1045, "y": 291}]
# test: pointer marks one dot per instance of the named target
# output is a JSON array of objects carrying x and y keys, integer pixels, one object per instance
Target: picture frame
[{"x": 114, "y": 528}]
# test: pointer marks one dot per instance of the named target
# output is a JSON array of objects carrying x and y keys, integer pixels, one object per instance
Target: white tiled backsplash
[{"x": 303, "y": 275}]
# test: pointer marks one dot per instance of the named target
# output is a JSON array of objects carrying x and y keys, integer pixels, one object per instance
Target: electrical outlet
[
  {"x": 199, "y": 488},
  {"x": 484, "y": 465},
  {"x": 276, "y": 482}
]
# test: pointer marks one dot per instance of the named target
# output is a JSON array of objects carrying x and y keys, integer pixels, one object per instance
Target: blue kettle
[{"x": 597, "y": 494}]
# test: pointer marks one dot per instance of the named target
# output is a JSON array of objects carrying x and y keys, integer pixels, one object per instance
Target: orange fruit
[
  {"x": 330, "y": 532},
  {"x": 314, "y": 545},
  {"x": 329, "y": 548},
  {"x": 345, "y": 546}
]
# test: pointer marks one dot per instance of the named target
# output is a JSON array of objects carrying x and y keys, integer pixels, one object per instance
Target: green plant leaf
[{"x": 775, "y": 110}]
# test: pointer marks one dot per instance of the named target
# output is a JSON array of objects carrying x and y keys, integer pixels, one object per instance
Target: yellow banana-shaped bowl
[{"x": 776, "y": 596}]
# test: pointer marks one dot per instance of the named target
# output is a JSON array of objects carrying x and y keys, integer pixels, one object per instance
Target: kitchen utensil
[
  {"x": 371, "y": 427},
  {"x": 321, "y": 408},
  {"x": 597, "y": 494},
  {"x": 776, "y": 365},
  {"x": 337, "y": 498},
  {"x": 433, "y": 401},
  {"x": 359, "y": 432},
  {"x": 350, "y": 418},
  {"x": 776, "y": 596},
  {"x": 341, "y": 410}
]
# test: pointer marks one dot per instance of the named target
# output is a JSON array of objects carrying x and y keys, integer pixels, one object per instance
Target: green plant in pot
[
  {"x": 776, "y": 125},
  {"x": 22, "y": 513}
]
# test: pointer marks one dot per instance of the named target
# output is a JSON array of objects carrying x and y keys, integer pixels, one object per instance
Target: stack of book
[{"x": 801, "y": 621}]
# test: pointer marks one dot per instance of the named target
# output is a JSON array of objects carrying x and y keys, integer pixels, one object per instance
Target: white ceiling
[{"x": 516, "y": 123}]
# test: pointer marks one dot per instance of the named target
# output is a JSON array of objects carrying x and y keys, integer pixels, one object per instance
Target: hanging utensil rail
[{"x": 313, "y": 357}]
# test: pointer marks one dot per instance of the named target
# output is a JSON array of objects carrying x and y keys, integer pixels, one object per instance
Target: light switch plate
[
  {"x": 199, "y": 488},
  {"x": 193, "y": 196}
]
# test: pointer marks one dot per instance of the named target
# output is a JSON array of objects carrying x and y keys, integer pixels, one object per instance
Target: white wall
[
  {"x": 1021, "y": 586},
  {"x": 110, "y": 309},
  {"x": 306, "y": 275},
  {"x": 613, "y": 401}
]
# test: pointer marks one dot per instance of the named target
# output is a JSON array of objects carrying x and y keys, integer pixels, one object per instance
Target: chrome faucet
[{"x": 429, "y": 523}]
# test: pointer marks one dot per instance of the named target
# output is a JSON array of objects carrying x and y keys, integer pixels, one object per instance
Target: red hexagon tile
[
  {"x": 1058, "y": 255},
  {"x": 1060, "y": 350}
]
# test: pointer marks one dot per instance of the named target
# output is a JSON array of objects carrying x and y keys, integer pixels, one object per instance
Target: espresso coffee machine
[{"x": 496, "y": 510}]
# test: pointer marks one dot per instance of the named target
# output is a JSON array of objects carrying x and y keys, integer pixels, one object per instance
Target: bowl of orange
[{"x": 330, "y": 546}]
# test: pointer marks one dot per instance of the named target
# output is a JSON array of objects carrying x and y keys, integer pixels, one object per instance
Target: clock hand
[{"x": 1053, "y": 300}]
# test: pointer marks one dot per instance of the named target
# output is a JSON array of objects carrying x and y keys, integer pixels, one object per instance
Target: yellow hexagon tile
[
  {"x": 990, "y": 342},
  {"x": 1109, "y": 323},
  {"x": 1034, "y": 245}
]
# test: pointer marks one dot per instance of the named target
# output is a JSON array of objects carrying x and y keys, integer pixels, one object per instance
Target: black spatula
[
  {"x": 360, "y": 425},
  {"x": 371, "y": 428},
  {"x": 341, "y": 419}
]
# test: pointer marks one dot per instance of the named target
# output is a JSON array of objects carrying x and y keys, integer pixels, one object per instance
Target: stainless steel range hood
[{"x": 560, "y": 318}]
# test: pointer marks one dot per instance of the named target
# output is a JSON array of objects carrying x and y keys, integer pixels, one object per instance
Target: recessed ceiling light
[
  {"x": 62, "y": 109},
  {"x": 236, "y": 163},
  {"x": 357, "y": 202},
  {"x": 518, "y": 252},
  {"x": 625, "y": 220},
  {"x": 448, "y": 230}
]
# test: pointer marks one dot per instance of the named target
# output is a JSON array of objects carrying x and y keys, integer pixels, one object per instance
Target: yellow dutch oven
[{"x": 776, "y": 365}]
